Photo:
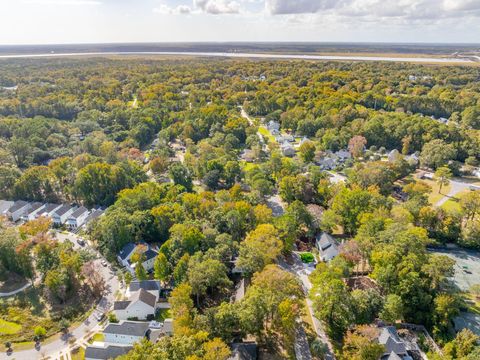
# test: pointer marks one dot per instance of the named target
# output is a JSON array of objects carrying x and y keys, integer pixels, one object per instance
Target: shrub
[
  {"x": 40, "y": 331},
  {"x": 307, "y": 257}
]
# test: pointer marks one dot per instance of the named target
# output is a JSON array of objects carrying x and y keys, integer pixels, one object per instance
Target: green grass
[
  {"x": 97, "y": 337},
  {"x": 9, "y": 328},
  {"x": 264, "y": 131},
  {"x": 434, "y": 195},
  {"x": 78, "y": 355},
  {"x": 453, "y": 204},
  {"x": 162, "y": 315}
]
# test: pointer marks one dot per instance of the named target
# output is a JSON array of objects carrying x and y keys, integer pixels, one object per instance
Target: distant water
[{"x": 249, "y": 55}]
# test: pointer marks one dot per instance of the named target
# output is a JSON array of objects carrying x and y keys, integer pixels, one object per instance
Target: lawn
[
  {"x": 434, "y": 195},
  {"x": 264, "y": 131},
  {"x": 163, "y": 314},
  {"x": 9, "y": 328},
  {"x": 453, "y": 204},
  {"x": 78, "y": 354},
  {"x": 97, "y": 337}
]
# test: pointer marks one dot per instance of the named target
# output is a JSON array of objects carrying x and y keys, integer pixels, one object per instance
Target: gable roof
[
  {"x": 17, "y": 205},
  {"x": 126, "y": 250},
  {"x": 149, "y": 285},
  {"x": 393, "y": 356},
  {"x": 106, "y": 352},
  {"x": 144, "y": 296},
  {"x": 79, "y": 212},
  {"x": 243, "y": 351},
  {"x": 63, "y": 210},
  {"x": 150, "y": 254},
  {"x": 392, "y": 342},
  {"x": 132, "y": 328},
  {"x": 121, "y": 305},
  {"x": 5, "y": 205},
  {"x": 50, "y": 207},
  {"x": 327, "y": 246}
]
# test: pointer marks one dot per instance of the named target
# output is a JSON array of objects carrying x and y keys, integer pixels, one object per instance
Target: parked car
[{"x": 80, "y": 242}]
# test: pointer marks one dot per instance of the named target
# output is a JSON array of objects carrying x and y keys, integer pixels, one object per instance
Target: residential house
[
  {"x": 243, "y": 351},
  {"x": 94, "y": 214},
  {"x": 61, "y": 215},
  {"x": 327, "y": 163},
  {"x": 126, "y": 332},
  {"x": 17, "y": 210},
  {"x": 273, "y": 127},
  {"x": 31, "y": 213},
  {"x": 327, "y": 246},
  {"x": 393, "y": 155},
  {"x": 151, "y": 286},
  {"x": 4, "y": 206},
  {"x": 77, "y": 218},
  {"x": 413, "y": 159},
  {"x": 105, "y": 351},
  {"x": 343, "y": 155},
  {"x": 125, "y": 255},
  {"x": 48, "y": 210},
  {"x": 248, "y": 155},
  {"x": 140, "y": 306},
  {"x": 395, "y": 347},
  {"x": 287, "y": 149}
]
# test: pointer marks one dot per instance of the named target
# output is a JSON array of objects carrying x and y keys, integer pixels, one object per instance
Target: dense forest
[{"x": 161, "y": 143}]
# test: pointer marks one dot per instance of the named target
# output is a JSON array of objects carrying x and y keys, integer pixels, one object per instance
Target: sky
[{"x": 105, "y": 21}]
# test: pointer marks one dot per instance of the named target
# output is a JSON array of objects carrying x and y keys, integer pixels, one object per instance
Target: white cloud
[
  {"x": 217, "y": 7},
  {"x": 62, "y": 2},
  {"x": 167, "y": 10}
]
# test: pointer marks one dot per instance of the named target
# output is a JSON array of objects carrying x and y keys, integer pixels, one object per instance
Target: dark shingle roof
[
  {"x": 149, "y": 285},
  {"x": 126, "y": 250},
  {"x": 145, "y": 297},
  {"x": 63, "y": 210},
  {"x": 150, "y": 254},
  {"x": 132, "y": 328},
  {"x": 80, "y": 211},
  {"x": 121, "y": 305},
  {"x": 244, "y": 351},
  {"x": 392, "y": 342},
  {"x": 17, "y": 205},
  {"x": 50, "y": 207},
  {"x": 108, "y": 352}
]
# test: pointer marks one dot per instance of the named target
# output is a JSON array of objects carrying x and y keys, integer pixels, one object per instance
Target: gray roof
[
  {"x": 393, "y": 356},
  {"x": 94, "y": 214},
  {"x": 243, "y": 351},
  {"x": 34, "y": 207},
  {"x": 144, "y": 296},
  {"x": 150, "y": 254},
  {"x": 63, "y": 210},
  {"x": 133, "y": 328},
  {"x": 108, "y": 352},
  {"x": 49, "y": 207},
  {"x": 17, "y": 205},
  {"x": 121, "y": 305},
  {"x": 149, "y": 285},
  {"x": 327, "y": 246},
  {"x": 5, "y": 205},
  {"x": 80, "y": 211},
  {"x": 392, "y": 342}
]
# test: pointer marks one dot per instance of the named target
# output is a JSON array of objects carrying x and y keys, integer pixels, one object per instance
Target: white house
[
  {"x": 140, "y": 306},
  {"x": 48, "y": 210},
  {"x": 327, "y": 246},
  {"x": 125, "y": 255},
  {"x": 77, "y": 218},
  {"x": 393, "y": 155},
  {"x": 126, "y": 332},
  {"x": 4, "y": 206},
  {"x": 17, "y": 210},
  {"x": 32, "y": 212},
  {"x": 287, "y": 149},
  {"x": 61, "y": 215},
  {"x": 151, "y": 286},
  {"x": 273, "y": 127}
]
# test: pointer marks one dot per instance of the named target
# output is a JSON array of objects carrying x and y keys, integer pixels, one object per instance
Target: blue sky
[{"x": 95, "y": 21}]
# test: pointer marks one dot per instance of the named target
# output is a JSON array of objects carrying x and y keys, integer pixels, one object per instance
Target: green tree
[
  {"x": 443, "y": 175},
  {"x": 437, "y": 153},
  {"x": 161, "y": 266},
  {"x": 307, "y": 151}
]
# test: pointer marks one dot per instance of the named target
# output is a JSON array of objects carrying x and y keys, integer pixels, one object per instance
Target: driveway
[
  {"x": 61, "y": 346},
  {"x": 298, "y": 268},
  {"x": 456, "y": 186}
]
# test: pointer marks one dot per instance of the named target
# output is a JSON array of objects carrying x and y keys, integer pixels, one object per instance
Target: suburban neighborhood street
[
  {"x": 63, "y": 345},
  {"x": 456, "y": 188}
]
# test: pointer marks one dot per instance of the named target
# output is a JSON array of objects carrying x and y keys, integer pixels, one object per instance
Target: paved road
[
  {"x": 298, "y": 269},
  {"x": 61, "y": 346},
  {"x": 336, "y": 178},
  {"x": 27, "y": 285},
  {"x": 456, "y": 187}
]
